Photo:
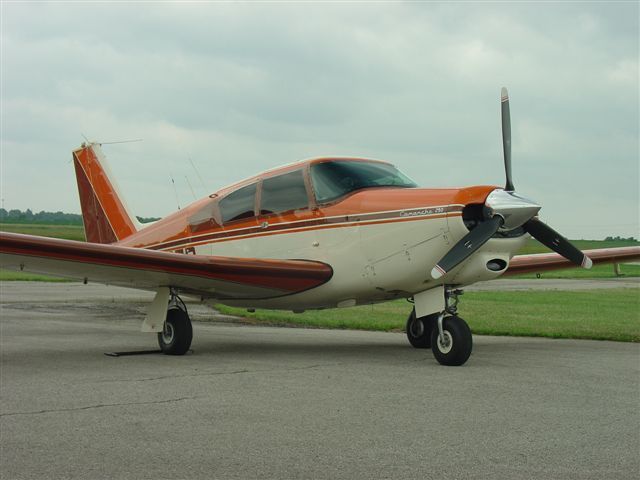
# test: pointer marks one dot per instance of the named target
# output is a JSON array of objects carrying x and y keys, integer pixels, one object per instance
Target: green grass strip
[{"x": 594, "y": 314}]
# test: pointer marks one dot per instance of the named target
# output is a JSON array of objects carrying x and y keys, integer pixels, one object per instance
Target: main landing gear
[
  {"x": 448, "y": 335},
  {"x": 176, "y": 336}
]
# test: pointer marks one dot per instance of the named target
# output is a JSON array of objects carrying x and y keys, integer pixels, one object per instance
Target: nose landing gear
[{"x": 446, "y": 333}]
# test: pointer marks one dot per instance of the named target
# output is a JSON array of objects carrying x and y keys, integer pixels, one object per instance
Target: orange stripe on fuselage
[
  {"x": 306, "y": 229},
  {"x": 206, "y": 239}
]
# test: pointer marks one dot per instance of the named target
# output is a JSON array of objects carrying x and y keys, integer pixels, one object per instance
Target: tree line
[
  {"x": 618, "y": 239},
  {"x": 50, "y": 218}
]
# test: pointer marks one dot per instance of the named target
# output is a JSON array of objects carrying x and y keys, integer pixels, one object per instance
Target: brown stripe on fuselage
[{"x": 342, "y": 221}]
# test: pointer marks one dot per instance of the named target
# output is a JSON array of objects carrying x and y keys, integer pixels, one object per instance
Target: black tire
[
  {"x": 175, "y": 339},
  {"x": 419, "y": 329},
  {"x": 456, "y": 348}
]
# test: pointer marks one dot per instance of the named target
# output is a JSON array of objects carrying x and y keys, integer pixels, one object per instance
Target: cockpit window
[
  {"x": 332, "y": 180},
  {"x": 238, "y": 204},
  {"x": 283, "y": 193}
]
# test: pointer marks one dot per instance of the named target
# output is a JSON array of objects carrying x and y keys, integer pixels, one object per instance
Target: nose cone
[{"x": 513, "y": 208}]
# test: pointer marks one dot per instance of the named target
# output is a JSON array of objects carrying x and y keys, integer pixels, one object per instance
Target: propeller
[
  {"x": 471, "y": 242},
  {"x": 506, "y": 137},
  {"x": 556, "y": 242},
  {"x": 505, "y": 210}
]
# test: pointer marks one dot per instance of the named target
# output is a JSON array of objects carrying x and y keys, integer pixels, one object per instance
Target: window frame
[
  {"x": 311, "y": 203},
  {"x": 255, "y": 199}
]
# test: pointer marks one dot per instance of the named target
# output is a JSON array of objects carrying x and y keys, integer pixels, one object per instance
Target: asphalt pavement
[{"x": 280, "y": 403}]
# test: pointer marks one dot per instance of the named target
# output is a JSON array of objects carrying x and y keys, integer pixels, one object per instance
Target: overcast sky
[{"x": 240, "y": 88}]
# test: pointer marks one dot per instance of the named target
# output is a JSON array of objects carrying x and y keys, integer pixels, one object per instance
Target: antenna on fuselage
[
  {"x": 175, "y": 190},
  {"x": 198, "y": 174},
  {"x": 190, "y": 187}
]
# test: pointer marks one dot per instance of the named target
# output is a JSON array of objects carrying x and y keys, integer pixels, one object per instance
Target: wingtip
[
  {"x": 437, "y": 272},
  {"x": 587, "y": 262}
]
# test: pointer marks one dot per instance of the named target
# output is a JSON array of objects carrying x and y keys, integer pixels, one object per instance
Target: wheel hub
[
  {"x": 167, "y": 333},
  {"x": 445, "y": 342},
  {"x": 417, "y": 328}
]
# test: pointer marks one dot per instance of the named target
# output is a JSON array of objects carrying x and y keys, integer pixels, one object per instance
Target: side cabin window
[
  {"x": 283, "y": 193},
  {"x": 206, "y": 217},
  {"x": 239, "y": 204}
]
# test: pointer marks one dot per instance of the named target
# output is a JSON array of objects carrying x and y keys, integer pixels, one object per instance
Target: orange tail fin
[{"x": 104, "y": 213}]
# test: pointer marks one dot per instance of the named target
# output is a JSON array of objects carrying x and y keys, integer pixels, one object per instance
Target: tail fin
[{"x": 105, "y": 215}]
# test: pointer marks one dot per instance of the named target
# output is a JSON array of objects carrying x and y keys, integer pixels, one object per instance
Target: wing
[
  {"x": 542, "y": 262},
  {"x": 206, "y": 276}
]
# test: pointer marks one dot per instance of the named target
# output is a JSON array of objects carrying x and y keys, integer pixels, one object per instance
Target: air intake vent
[
  {"x": 496, "y": 265},
  {"x": 472, "y": 214}
]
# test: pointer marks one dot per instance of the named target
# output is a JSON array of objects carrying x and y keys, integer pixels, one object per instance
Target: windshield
[{"x": 335, "y": 179}]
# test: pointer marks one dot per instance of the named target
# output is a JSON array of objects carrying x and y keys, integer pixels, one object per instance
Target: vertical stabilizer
[{"x": 105, "y": 215}]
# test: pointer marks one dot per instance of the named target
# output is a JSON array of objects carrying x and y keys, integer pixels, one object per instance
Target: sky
[{"x": 221, "y": 91}]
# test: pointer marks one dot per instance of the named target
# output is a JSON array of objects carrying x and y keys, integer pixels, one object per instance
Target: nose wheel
[{"x": 452, "y": 343}]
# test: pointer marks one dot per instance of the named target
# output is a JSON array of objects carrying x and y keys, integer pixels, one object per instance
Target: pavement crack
[
  {"x": 90, "y": 407},
  {"x": 215, "y": 374},
  {"x": 209, "y": 374}
]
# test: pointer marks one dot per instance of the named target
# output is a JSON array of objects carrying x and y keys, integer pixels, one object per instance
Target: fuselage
[{"x": 381, "y": 241}]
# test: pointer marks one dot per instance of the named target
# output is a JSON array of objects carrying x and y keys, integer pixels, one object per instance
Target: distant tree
[
  {"x": 50, "y": 218},
  {"x": 42, "y": 217},
  {"x": 147, "y": 219}
]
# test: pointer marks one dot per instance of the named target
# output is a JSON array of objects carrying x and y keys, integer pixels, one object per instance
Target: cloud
[{"x": 257, "y": 85}]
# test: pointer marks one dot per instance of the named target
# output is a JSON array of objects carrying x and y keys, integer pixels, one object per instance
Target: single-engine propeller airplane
[{"x": 322, "y": 233}]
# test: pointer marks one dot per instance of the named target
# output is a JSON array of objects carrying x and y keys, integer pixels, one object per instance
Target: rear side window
[
  {"x": 238, "y": 204},
  {"x": 283, "y": 193}
]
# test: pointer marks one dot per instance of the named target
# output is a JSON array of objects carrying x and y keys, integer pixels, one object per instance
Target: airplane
[{"x": 316, "y": 234}]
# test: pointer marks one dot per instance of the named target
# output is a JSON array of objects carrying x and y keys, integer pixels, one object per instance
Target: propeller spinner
[{"x": 506, "y": 210}]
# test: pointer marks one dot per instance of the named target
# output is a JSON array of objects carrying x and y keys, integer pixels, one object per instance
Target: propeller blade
[
  {"x": 471, "y": 242},
  {"x": 506, "y": 137},
  {"x": 556, "y": 242}
]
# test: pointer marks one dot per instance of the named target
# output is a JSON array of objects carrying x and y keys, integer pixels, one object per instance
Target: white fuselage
[{"x": 372, "y": 261}]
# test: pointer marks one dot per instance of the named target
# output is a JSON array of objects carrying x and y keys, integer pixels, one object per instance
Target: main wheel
[
  {"x": 419, "y": 329},
  {"x": 176, "y": 336},
  {"x": 455, "y": 346}
]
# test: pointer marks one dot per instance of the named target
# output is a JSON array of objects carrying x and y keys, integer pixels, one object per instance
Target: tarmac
[{"x": 279, "y": 403}]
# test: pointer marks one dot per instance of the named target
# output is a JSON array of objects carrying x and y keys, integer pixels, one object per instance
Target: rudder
[{"x": 104, "y": 213}]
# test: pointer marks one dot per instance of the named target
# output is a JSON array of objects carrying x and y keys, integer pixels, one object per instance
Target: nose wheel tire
[
  {"x": 455, "y": 345},
  {"x": 176, "y": 336},
  {"x": 419, "y": 330}
]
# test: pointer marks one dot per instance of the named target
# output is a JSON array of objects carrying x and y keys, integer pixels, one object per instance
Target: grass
[
  {"x": 12, "y": 276},
  {"x": 69, "y": 232},
  {"x": 533, "y": 246},
  {"x": 594, "y": 314}
]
